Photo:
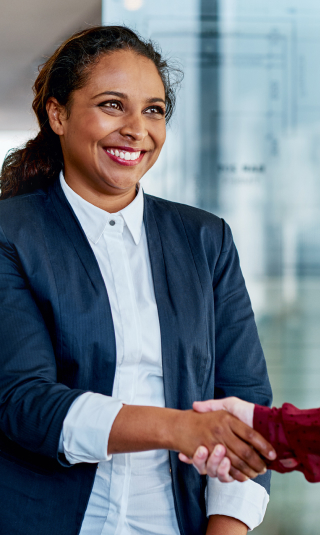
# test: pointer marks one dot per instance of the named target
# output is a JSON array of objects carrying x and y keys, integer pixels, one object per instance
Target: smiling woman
[
  {"x": 123, "y": 100},
  {"x": 118, "y": 311},
  {"x": 65, "y": 78}
]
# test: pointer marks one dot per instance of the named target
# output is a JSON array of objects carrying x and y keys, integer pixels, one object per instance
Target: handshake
[{"x": 238, "y": 454}]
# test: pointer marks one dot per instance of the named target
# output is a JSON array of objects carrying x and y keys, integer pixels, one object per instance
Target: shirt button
[{"x": 112, "y": 222}]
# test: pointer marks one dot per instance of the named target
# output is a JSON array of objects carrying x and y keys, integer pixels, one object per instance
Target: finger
[
  {"x": 241, "y": 462},
  {"x": 254, "y": 438},
  {"x": 200, "y": 460},
  {"x": 215, "y": 460},
  {"x": 233, "y": 434},
  {"x": 208, "y": 406},
  {"x": 238, "y": 476},
  {"x": 223, "y": 471},
  {"x": 185, "y": 459},
  {"x": 244, "y": 458}
]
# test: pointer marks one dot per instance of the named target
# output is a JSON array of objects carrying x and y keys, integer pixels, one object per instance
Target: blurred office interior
[{"x": 244, "y": 143}]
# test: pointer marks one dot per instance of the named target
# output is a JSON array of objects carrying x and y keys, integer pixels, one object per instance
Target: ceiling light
[{"x": 133, "y": 5}]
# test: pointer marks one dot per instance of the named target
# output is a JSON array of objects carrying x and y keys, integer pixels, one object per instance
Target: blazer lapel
[
  {"x": 103, "y": 328},
  {"x": 180, "y": 305},
  {"x": 167, "y": 328},
  {"x": 77, "y": 237}
]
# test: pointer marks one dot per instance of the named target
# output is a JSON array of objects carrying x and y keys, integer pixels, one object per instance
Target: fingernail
[
  {"x": 263, "y": 471},
  {"x": 218, "y": 450},
  {"x": 224, "y": 462},
  {"x": 272, "y": 454},
  {"x": 201, "y": 452}
]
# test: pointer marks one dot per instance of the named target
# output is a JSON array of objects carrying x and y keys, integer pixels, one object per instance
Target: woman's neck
[{"x": 112, "y": 202}]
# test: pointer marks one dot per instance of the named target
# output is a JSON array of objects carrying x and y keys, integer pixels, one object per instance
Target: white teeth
[{"x": 125, "y": 155}]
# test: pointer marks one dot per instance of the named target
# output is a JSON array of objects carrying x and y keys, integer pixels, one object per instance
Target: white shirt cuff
[
  {"x": 86, "y": 428},
  {"x": 245, "y": 501}
]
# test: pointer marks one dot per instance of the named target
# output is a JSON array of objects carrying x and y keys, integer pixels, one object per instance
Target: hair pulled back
[{"x": 39, "y": 162}]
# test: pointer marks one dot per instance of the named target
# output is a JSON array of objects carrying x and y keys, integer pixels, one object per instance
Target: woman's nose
[{"x": 134, "y": 127}]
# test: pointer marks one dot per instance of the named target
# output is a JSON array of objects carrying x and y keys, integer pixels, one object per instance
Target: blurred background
[{"x": 244, "y": 143}]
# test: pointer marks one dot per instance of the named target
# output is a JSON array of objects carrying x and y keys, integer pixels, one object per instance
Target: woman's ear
[{"x": 56, "y": 115}]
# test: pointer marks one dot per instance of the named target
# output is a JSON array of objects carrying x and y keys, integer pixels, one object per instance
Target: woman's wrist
[{"x": 139, "y": 428}]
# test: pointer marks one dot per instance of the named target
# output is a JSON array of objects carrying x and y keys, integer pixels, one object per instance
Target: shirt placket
[{"x": 128, "y": 342}]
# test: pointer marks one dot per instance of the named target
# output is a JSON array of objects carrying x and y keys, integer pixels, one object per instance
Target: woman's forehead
[{"x": 125, "y": 71}]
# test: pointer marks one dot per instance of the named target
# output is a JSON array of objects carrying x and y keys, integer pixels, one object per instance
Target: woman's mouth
[{"x": 125, "y": 157}]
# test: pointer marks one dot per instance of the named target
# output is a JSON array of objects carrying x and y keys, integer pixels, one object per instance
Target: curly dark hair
[{"x": 39, "y": 162}]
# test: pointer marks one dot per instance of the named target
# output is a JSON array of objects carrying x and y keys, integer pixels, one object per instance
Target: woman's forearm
[
  {"x": 225, "y": 525},
  {"x": 138, "y": 428}
]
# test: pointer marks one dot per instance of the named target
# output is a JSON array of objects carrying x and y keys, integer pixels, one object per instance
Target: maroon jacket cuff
[
  {"x": 269, "y": 423},
  {"x": 302, "y": 429},
  {"x": 294, "y": 433}
]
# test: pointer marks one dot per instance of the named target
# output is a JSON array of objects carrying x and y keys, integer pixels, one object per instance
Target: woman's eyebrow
[
  {"x": 124, "y": 96},
  {"x": 116, "y": 93},
  {"x": 156, "y": 99}
]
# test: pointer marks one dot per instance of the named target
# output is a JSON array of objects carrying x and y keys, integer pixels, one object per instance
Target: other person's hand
[
  {"x": 215, "y": 465},
  {"x": 239, "y": 408}
]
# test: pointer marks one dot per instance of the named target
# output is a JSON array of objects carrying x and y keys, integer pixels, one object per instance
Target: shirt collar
[{"x": 94, "y": 220}]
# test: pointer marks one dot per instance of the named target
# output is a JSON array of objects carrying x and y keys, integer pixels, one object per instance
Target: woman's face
[{"x": 116, "y": 127}]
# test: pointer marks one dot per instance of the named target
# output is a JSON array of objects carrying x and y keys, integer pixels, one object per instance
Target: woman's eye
[
  {"x": 155, "y": 110},
  {"x": 113, "y": 104}
]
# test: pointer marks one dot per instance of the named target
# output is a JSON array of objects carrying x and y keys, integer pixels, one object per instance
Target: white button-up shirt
[{"x": 132, "y": 492}]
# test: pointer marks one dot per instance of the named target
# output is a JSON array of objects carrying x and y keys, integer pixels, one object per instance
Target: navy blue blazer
[{"x": 57, "y": 341}]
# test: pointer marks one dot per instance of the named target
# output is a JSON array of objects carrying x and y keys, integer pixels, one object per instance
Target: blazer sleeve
[
  {"x": 32, "y": 403},
  {"x": 240, "y": 368}
]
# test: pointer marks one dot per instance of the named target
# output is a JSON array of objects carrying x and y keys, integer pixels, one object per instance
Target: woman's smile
[{"x": 125, "y": 155}]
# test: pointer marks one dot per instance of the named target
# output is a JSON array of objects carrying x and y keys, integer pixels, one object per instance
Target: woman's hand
[
  {"x": 217, "y": 464},
  {"x": 237, "y": 440}
]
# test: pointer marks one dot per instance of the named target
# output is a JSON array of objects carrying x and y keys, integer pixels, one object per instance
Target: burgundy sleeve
[
  {"x": 294, "y": 434},
  {"x": 268, "y": 422}
]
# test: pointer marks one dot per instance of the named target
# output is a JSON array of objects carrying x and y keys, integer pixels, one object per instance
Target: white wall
[{"x": 10, "y": 139}]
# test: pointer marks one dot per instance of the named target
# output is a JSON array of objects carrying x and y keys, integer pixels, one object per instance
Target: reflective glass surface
[{"x": 245, "y": 144}]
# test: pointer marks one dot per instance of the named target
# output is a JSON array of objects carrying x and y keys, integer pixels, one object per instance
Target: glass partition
[{"x": 245, "y": 144}]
